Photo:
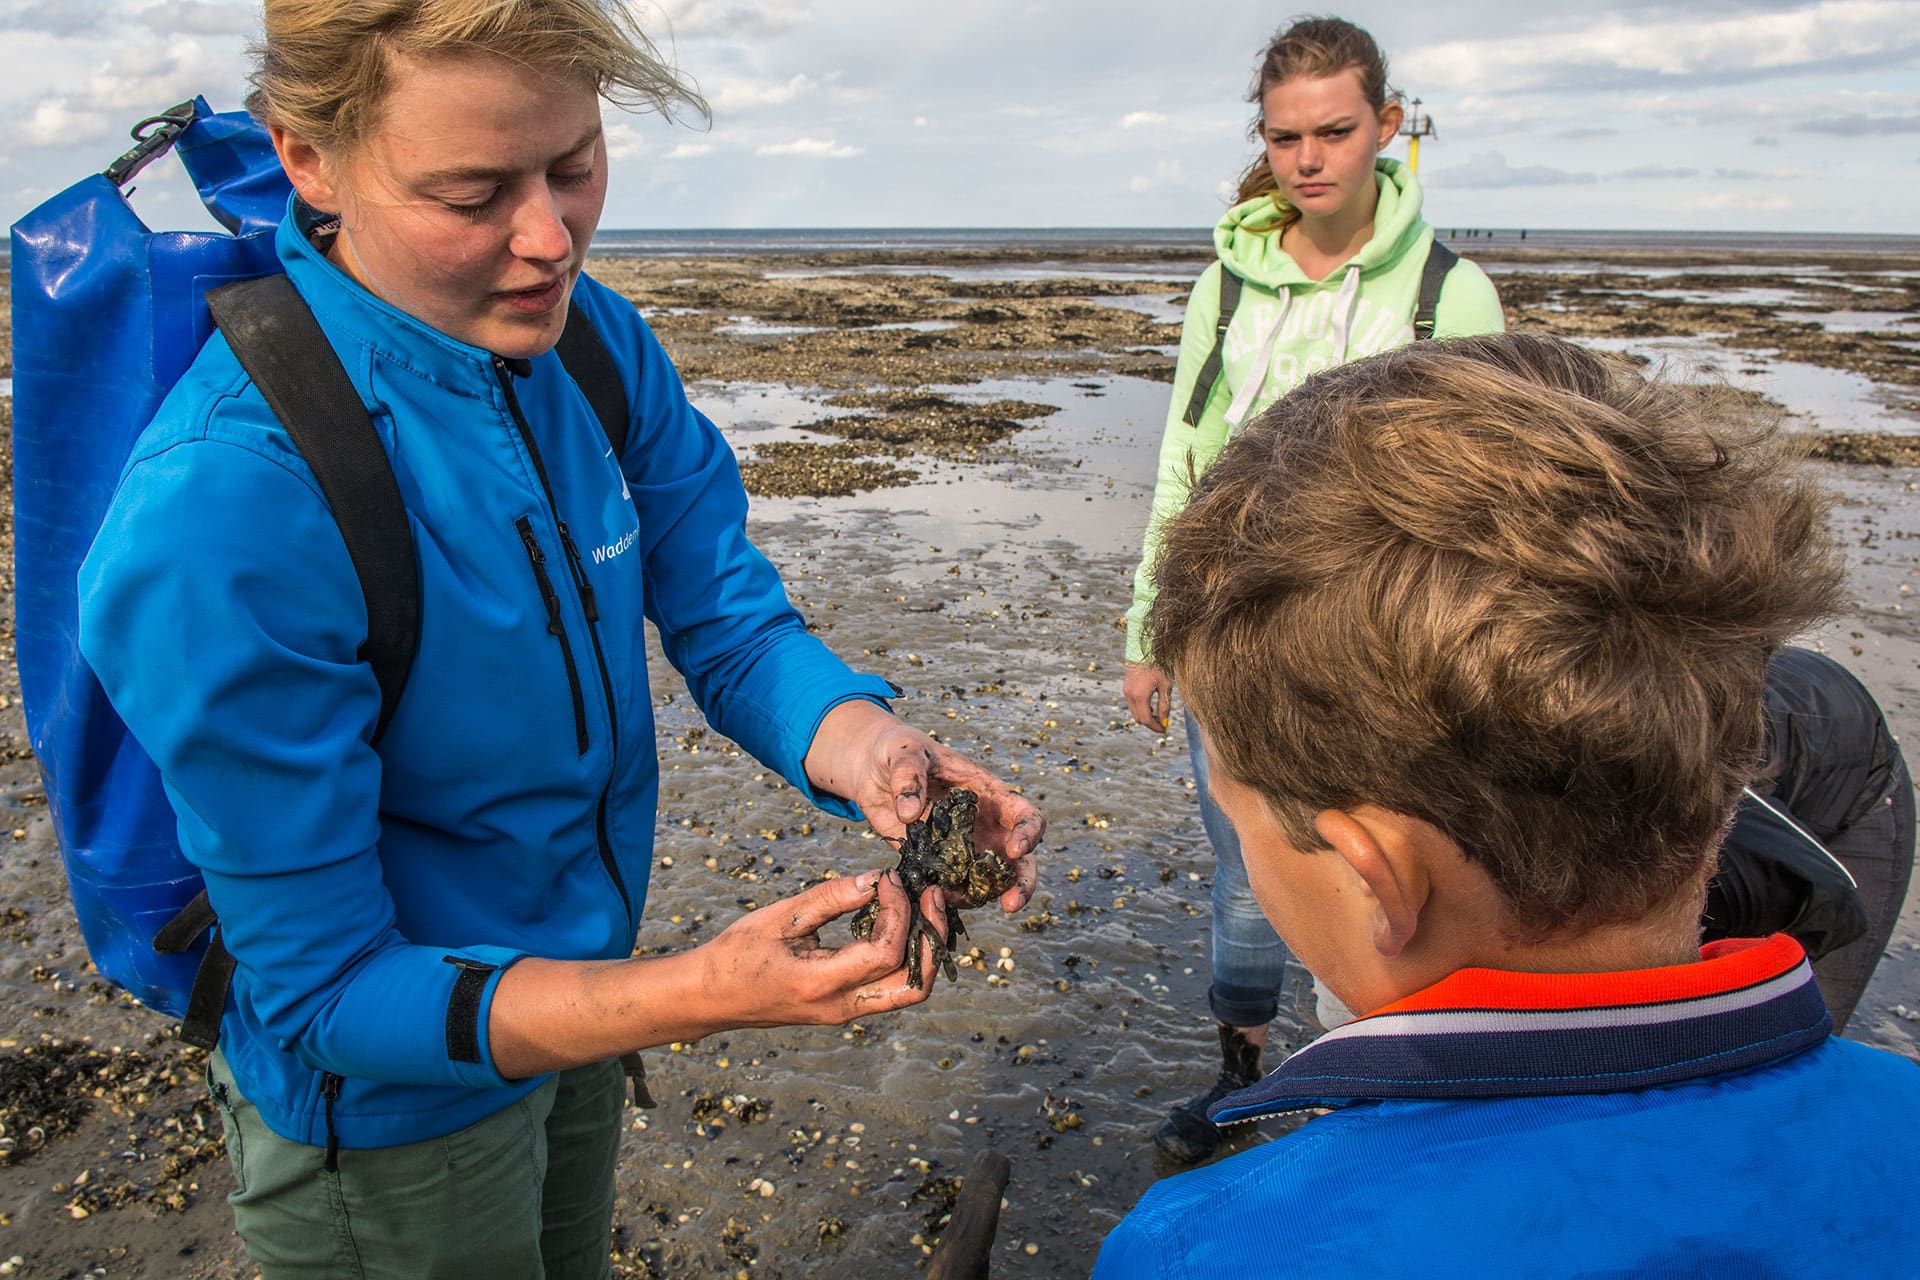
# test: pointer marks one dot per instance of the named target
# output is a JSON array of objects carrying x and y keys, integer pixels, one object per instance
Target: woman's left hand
[{"x": 893, "y": 771}]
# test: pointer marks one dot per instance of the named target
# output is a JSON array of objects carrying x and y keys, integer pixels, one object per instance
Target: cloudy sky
[{"x": 1714, "y": 114}]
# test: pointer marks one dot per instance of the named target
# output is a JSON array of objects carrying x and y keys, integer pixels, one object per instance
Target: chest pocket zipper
[{"x": 551, "y": 598}]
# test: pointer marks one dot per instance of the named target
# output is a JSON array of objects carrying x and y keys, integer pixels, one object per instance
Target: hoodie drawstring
[
  {"x": 1345, "y": 303},
  {"x": 1249, "y": 388}
]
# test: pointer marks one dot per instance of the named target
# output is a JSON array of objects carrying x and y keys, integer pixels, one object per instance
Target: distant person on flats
[
  {"x": 1478, "y": 632},
  {"x": 1328, "y": 255}
]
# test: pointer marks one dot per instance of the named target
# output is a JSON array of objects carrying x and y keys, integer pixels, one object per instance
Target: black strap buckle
[{"x": 150, "y": 146}]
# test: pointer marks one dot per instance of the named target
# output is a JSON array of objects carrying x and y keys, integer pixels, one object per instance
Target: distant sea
[
  {"x": 1177, "y": 241},
  {"x": 686, "y": 242}
]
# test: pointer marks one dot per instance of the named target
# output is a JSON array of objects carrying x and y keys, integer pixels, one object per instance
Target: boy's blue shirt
[
  {"x": 1692, "y": 1121},
  {"x": 222, "y": 614}
]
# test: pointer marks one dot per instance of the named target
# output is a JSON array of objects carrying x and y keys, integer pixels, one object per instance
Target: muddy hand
[
  {"x": 893, "y": 771},
  {"x": 1004, "y": 820},
  {"x": 769, "y": 968}
]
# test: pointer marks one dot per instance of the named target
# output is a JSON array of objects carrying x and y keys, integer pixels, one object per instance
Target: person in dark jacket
[{"x": 1822, "y": 845}]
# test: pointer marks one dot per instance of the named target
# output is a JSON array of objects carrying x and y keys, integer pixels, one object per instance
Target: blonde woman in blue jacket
[{"x": 417, "y": 1063}]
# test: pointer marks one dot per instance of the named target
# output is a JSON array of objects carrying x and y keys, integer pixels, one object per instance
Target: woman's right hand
[
  {"x": 1149, "y": 693},
  {"x": 769, "y": 968}
]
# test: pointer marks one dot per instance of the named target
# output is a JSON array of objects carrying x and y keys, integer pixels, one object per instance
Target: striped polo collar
[{"x": 1488, "y": 1033}]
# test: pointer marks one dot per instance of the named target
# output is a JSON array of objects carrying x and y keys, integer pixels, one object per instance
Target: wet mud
[
  {"x": 837, "y": 320},
  {"x": 960, "y": 516}
]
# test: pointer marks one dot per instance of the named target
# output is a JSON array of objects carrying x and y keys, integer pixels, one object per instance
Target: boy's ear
[{"x": 1396, "y": 882}]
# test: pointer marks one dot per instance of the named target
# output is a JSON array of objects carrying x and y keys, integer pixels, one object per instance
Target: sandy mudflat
[{"x": 952, "y": 458}]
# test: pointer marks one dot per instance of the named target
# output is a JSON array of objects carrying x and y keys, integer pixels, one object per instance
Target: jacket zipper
[
  {"x": 591, "y": 610},
  {"x": 556, "y": 628}
]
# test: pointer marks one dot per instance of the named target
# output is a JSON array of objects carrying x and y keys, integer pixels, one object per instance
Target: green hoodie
[{"x": 1288, "y": 327}]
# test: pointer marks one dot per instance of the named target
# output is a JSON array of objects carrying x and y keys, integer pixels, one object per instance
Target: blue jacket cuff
[{"x": 468, "y": 1011}]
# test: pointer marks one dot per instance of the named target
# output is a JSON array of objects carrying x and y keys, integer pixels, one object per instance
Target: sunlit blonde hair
[
  {"x": 323, "y": 68},
  {"x": 1507, "y": 587},
  {"x": 1313, "y": 48}
]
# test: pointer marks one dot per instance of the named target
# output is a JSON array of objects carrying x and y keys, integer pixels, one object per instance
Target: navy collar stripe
[
  {"x": 1523, "y": 1053},
  {"x": 1791, "y": 974},
  {"x": 1450, "y": 1021}
]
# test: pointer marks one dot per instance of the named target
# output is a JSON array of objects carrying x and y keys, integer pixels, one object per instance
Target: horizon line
[{"x": 1189, "y": 228}]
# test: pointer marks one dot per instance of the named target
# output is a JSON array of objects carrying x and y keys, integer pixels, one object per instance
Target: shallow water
[
  {"x": 1817, "y": 398},
  {"x": 1752, "y": 296},
  {"x": 1854, "y": 321},
  {"x": 999, "y": 271},
  {"x": 1499, "y": 267},
  {"x": 1168, "y": 308},
  {"x": 1083, "y": 476}
]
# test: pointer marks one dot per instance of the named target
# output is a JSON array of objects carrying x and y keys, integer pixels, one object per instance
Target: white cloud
[
  {"x": 1734, "y": 202},
  {"x": 53, "y": 17},
  {"x": 1490, "y": 169},
  {"x": 1655, "y": 171},
  {"x": 623, "y": 140},
  {"x": 688, "y": 150},
  {"x": 144, "y": 78},
  {"x": 1141, "y": 119},
  {"x": 1165, "y": 173},
  {"x": 711, "y": 20},
  {"x": 1853, "y": 126},
  {"x": 746, "y": 95},
  {"x": 200, "y": 17},
  {"x": 1625, "y": 48},
  {"x": 1786, "y": 109},
  {"x": 819, "y": 148},
  {"x": 56, "y": 122}
]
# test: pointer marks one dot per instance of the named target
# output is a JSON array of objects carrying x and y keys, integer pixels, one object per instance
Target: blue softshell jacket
[
  {"x": 1691, "y": 1122},
  {"x": 509, "y": 809}
]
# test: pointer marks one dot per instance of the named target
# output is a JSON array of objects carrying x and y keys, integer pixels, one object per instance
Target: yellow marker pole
[{"x": 1413, "y": 153}]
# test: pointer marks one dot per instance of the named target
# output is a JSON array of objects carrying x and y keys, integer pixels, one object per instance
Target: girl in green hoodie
[{"x": 1329, "y": 249}]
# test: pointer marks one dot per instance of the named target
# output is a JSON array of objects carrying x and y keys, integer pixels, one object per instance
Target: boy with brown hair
[{"x": 1478, "y": 631}]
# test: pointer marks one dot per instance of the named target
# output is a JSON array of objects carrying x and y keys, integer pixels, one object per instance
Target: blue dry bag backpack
[{"x": 106, "y": 317}]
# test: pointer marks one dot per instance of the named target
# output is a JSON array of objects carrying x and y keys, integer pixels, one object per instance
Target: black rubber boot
[{"x": 1186, "y": 1136}]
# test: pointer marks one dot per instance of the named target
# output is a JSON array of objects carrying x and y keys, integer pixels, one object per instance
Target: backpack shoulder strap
[
  {"x": 1210, "y": 371},
  {"x": 283, "y": 350},
  {"x": 586, "y": 357},
  {"x": 1440, "y": 260}
]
